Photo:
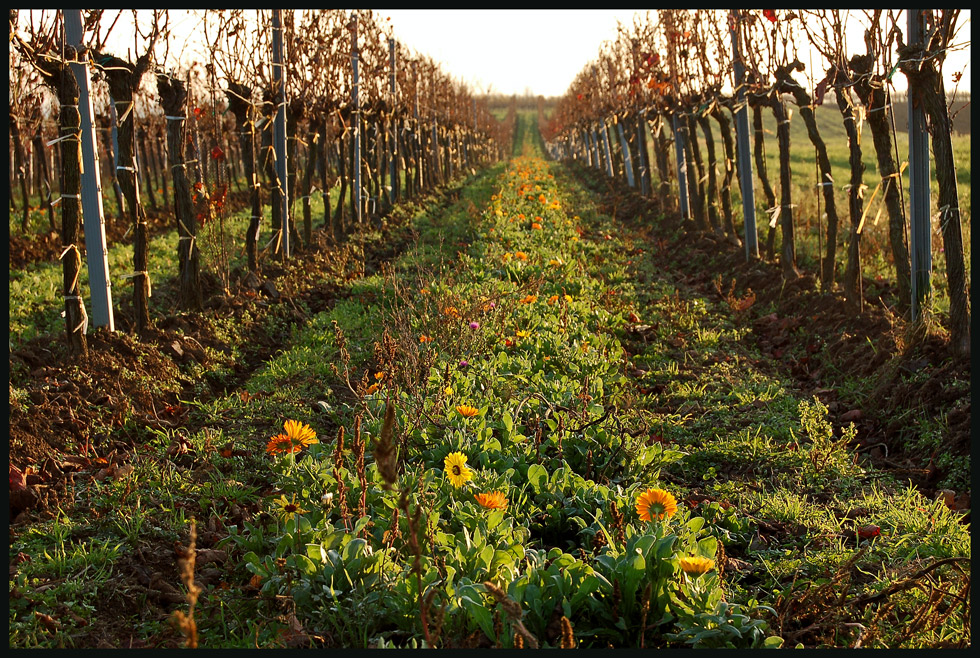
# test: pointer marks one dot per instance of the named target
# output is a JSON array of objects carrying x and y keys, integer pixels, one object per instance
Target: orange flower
[
  {"x": 493, "y": 500},
  {"x": 542, "y": 198},
  {"x": 520, "y": 255},
  {"x": 536, "y": 226},
  {"x": 280, "y": 444},
  {"x": 655, "y": 504},
  {"x": 373, "y": 388},
  {"x": 552, "y": 300},
  {"x": 424, "y": 339},
  {"x": 529, "y": 299},
  {"x": 467, "y": 411},
  {"x": 451, "y": 311}
]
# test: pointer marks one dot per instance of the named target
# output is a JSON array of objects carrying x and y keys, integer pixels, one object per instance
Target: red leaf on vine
[
  {"x": 770, "y": 14},
  {"x": 217, "y": 153}
]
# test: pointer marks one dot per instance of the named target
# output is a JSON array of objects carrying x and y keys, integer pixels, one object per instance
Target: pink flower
[{"x": 474, "y": 325}]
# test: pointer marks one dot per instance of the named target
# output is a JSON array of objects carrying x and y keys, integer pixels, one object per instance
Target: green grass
[{"x": 577, "y": 413}]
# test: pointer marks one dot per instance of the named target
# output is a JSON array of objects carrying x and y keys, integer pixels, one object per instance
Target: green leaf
[
  {"x": 537, "y": 476},
  {"x": 708, "y": 547}
]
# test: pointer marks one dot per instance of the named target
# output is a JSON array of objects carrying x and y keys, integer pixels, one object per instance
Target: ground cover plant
[{"x": 523, "y": 414}]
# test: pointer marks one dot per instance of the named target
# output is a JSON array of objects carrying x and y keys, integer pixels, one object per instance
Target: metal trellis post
[
  {"x": 394, "y": 137},
  {"x": 606, "y": 149},
  {"x": 920, "y": 237},
  {"x": 744, "y": 148},
  {"x": 627, "y": 156},
  {"x": 279, "y": 127},
  {"x": 679, "y": 147},
  {"x": 97, "y": 254},
  {"x": 356, "y": 121}
]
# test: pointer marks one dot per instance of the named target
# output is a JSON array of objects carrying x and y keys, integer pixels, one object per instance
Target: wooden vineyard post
[
  {"x": 920, "y": 238},
  {"x": 97, "y": 254},
  {"x": 279, "y": 126},
  {"x": 744, "y": 148}
]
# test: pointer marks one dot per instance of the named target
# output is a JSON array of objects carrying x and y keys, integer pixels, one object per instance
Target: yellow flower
[
  {"x": 300, "y": 434},
  {"x": 696, "y": 566},
  {"x": 506, "y": 257},
  {"x": 448, "y": 390},
  {"x": 493, "y": 500},
  {"x": 522, "y": 333},
  {"x": 584, "y": 347},
  {"x": 288, "y": 507},
  {"x": 655, "y": 504},
  {"x": 467, "y": 411},
  {"x": 568, "y": 298},
  {"x": 456, "y": 469}
]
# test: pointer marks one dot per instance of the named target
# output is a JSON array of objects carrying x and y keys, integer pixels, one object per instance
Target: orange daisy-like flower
[
  {"x": 542, "y": 198},
  {"x": 373, "y": 388},
  {"x": 425, "y": 339},
  {"x": 300, "y": 434},
  {"x": 280, "y": 444},
  {"x": 467, "y": 411},
  {"x": 535, "y": 226},
  {"x": 655, "y": 504},
  {"x": 492, "y": 500},
  {"x": 451, "y": 311},
  {"x": 520, "y": 255},
  {"x": 530, "y": 299}
]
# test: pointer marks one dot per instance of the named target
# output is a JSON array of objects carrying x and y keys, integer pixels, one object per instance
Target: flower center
[{"x": 457, "y": 470}]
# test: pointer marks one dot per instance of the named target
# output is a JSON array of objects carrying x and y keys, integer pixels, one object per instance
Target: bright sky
[
  {"x": 542, "y": 50},
  {"x": 511, "y": 50}
]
